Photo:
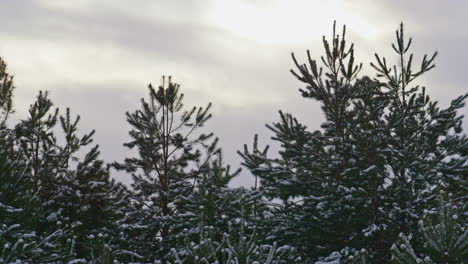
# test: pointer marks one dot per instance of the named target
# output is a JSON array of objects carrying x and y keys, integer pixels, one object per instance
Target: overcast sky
[{"x": 97, "y": 57}]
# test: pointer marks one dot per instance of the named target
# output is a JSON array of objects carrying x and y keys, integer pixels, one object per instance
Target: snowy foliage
[
  {"x": 384, "y": 151},
  {"x": 443, "y": 233},
  {"x": 382, "y": 180}
]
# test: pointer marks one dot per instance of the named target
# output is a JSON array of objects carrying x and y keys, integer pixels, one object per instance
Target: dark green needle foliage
[
  {"x": 170, "y": 156},
  {"x": 21, "y": 241},
  {"x": 381, "y": 156},
  {"x": 382, "y": 180},
  {"x": 76, "y": 191},
  {"x": 59, "y": 197},
  {"x": 445, "y": 236}
]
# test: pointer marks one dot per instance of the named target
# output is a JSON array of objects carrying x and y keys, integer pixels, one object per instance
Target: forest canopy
[{"x": 383, "y": 180}]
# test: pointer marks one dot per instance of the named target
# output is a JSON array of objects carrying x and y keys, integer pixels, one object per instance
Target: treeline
[{"x": 384, "y": 180}]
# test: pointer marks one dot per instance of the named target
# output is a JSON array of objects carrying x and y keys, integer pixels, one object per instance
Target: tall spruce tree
[
  {"x": 308, "y": 175},
  {"x": 384, "y": 150},
  {"x": 21, "y": 213},
  {"x": 171, "y": 156},
  {"x": 76, "y": 193}
]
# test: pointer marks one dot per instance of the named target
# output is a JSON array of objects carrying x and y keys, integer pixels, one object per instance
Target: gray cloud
[{"x": 98, "y": 56}]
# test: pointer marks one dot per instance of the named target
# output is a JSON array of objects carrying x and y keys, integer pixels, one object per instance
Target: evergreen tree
[
  {"x": 170, "y": 159},
  {"x": 76, "y": 193},
  {"x": 37, "y": 141},
  {"x": 384, "y": 150},
  {"x": 88, "y": 196},
  {"x": 308, "y": 177},
  {"x": 20, "y": 208},
  {"x": 20, "y": 214}
]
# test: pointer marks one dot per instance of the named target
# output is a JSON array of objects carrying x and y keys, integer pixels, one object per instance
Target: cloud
[{"x": 98, "y": 56}]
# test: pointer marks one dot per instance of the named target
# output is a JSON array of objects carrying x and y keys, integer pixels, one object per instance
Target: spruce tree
[
  {"x": 21, "y": 211},
  {"x": 383, "y": 152},
  {"x": 170, "y": 157},
  {"x": 76, "y": 192},
  {"x": 90, "y": 196},
  {"x": 20, "y": 215},
  {"x": 307, "y": 176}
]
